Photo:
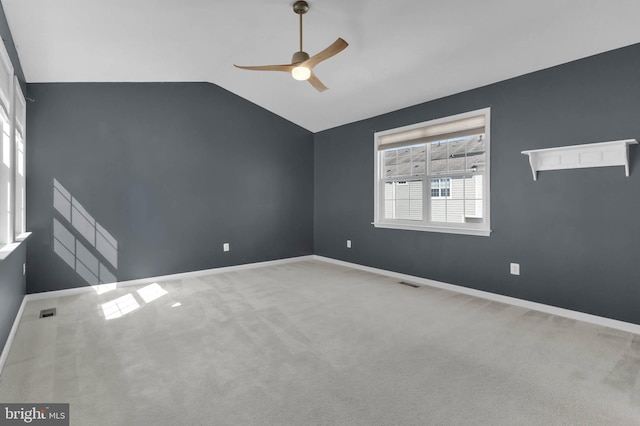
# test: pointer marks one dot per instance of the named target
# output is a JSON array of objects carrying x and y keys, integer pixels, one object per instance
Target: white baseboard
[
  {"x": 180, "y": 276},
  {"x": 12, "y": 335},
  {"x": 553, "y": 310}
]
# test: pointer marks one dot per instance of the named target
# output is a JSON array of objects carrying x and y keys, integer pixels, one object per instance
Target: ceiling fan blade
[
  {"x": 315, "y": 82},
  {"x": 336, "y": 47},
  {"x": 285, "y": 68}
]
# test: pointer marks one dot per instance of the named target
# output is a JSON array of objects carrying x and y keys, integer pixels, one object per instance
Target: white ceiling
[{"x": 401, "y": 52}]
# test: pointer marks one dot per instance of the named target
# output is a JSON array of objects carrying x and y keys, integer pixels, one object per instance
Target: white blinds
[{"x": 430, "y": 133}]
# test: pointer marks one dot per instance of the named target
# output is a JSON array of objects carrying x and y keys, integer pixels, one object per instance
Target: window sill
[
  {"x": 441, "y": 229},
  {"x": 11, "y": 247}
]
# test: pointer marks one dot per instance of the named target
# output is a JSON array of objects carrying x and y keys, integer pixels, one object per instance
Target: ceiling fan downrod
[{"x": 300, "y": 7}]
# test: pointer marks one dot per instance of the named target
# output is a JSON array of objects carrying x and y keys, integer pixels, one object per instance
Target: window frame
[
  {"x": 12, "y": 101},
  {"x": 7, "y": 234},
  {"x": 478, "y": 229}
]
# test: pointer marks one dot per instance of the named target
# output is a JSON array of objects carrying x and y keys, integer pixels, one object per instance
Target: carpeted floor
[{"x": 311, "y": 343}]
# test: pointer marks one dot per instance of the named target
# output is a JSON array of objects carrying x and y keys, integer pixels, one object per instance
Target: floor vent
[
  {"x": 408, "y": 284},
  {"x": 46, "y": 313}
]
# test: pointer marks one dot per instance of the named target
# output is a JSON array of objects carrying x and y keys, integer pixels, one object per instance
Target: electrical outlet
[
  {"x": 225, "y": 247},
  {"x": 348, "y": 243},
  {"x": 515, "y": 269}
]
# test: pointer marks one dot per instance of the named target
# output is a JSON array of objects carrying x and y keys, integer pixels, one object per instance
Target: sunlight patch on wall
[
  {"x": 75, "y": 214},
  {"x": 86, "y": 246},
  {"x": 79, "y": 257}
]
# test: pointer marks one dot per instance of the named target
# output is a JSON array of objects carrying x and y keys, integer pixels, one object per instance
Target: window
[
  {"x": 434, "y": 176},
  {"x": 20, "y": 225},
  {"x": 12, "y": 153},
  {"x": 6, "y": 166}
]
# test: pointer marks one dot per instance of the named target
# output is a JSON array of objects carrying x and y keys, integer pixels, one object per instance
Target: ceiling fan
[{"x": 301, "y": 66}]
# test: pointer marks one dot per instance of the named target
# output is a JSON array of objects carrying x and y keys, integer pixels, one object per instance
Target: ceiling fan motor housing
[{"x": 299, "y": 56}]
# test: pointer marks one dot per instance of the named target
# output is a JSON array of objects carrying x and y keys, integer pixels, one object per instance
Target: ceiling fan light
[{"x": 301, "y": 73}]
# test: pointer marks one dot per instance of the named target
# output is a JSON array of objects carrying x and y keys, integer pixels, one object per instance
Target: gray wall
[
  {"x": 12, "y": 290},
  {"x": 12, "y": 282},
  {"x": 171, "y": 171},
  {"x": 575, "y": 233}
]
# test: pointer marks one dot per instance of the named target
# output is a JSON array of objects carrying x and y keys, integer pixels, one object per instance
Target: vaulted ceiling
[{"x": 401, "y": 52}]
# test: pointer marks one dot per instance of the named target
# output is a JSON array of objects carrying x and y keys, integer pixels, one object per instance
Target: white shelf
[{"x": 602, "y": 154}]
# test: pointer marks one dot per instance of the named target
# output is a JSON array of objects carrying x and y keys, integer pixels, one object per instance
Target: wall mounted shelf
[{"x": 602, "y": 154}]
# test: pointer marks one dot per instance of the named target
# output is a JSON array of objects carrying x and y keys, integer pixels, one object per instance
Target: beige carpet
[{"x": 311, "y": 343}]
